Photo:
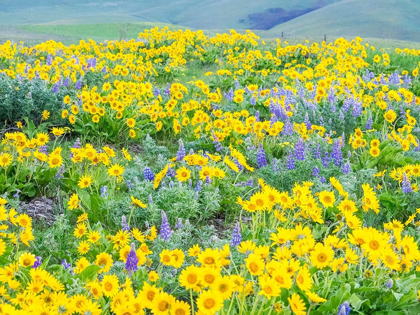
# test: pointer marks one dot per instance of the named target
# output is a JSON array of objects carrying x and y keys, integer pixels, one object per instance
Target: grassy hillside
[
  {"x": 70, "y": 21},
  {"x": 206, "y": 14},
  {"x": 373, "y": 18}
]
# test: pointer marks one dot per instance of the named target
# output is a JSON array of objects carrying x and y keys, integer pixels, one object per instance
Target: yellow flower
[
  {"x": 116, "y": 170},
  {"x": 85, "y": 181},
  {"x": 255, "y": 265},
  {"x": 27, "y": 260},
  {"x": 110, "y": 285},
  {"x": 93, "y": 237},
  {"x": 55, "y": 160},
  {"x": 73, "y": 202},
  {"x": 209, "y": 302},
  {"x": 322, "y": 255},
  {"x": 104, "y": 261},
  {"x": 153, "y": 276},
  {"x": 81, "y": 265},
  {"x": 137, "y": 202},
  {"x": 162, "y": 302},
  {"x": 189, "y": 277},
  {"x": 269, "y": 287},
  {"x": 83, "y": 247},
  {"x": 80, "y": 230},
  {"x": 297, "y": 305},
  {"x": 374, "y": 151},
  {"x": 45, "y": 114},
  {"x": 326, "y": 198},
  {"x": 5, "y": 160},
  {"x": 183, "y": 174},
  {"x": 390, "y": 116}
]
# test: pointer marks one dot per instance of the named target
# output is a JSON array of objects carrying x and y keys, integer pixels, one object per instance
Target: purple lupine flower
[
  {"x": 198, "y": 187},
  {"x": 290, "y": 163},
  {"x": 315, "y": 172},
  {"x": 56, "y": 88},
  {"x": 261, "y": 159},
  {"x": 317, "y": 151},
  {"x": 167, "y": 91},
  {"x": 239, "y": 165},
  {"x": 16, "y": 195},
  {"x": 346, "y": 168},
  {"x": 288, "y": 128},
  {"x": 323, "y": 180},
  {"x": 132, "y": 260},
  {"x": 301, "y": 93},
  {"x": 65, "y": 264},
  {"x": 331, "y": 97},
  {"x": 180, "y": 154},
  {"x": 369, "y": 123},
  {"x": 217, "y": 143},
  {"x": 148, "y": 174},
  {"x": 253, "y": 101},
  {"x": 389, "y": 284},
  {"x": 78, "y": 84},
  {"x": 124, "y": 224},
  {"x": 208, "y": 180},
  {"x": 336, "y": 153},
  {"x": 402, "y": 112},
  {"x": 249, "y": 183},
  {"x": 165, "y": 228},
  {"x": 178, "y": 224},
  {"x": 129, "y": 184},
  {"x": 103, "y": 69},
  {"x": 229, "y": 96},
  {"x": 300, "y": 150},
  {"x": 236, "y": 235},
  {"x": 170, "y": 172},
  {"x": 406, "y": 187},
  {"x": 257, "y": 116},
  {"x": 37, "y": 262},
  {"x": 394, "y": 78},
  {"x": 49, "y": 60},
  {"x": 66, "y": 82},
  {"x": 60, "y": 172},
  {"x": 275, "y": 165},
  {"x": 43, "y": 149},
  {"x": 321, "y": 121},
  {"x": 344, "y": 309},
  {"x": 237, "y": 84},
  {"x": 326, "y": 159},
  {"x": 104, "y": 191},
  {"x": 190, "y": 183},
  {"x": 150, "y": 199},
  {"x": 307, "y": 122},
  {"x": 156, "y": 92}
]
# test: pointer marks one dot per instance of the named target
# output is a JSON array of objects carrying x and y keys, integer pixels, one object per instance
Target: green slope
[
  {"x": 222, "y": 14},
  {"x": 365, "y": 18}
]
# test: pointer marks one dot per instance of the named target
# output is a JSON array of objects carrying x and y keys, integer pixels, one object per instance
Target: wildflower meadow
[{"x": 181, "y": 173}]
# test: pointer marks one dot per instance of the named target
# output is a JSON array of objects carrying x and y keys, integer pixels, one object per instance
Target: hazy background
[{"x": 72, "y": 20}]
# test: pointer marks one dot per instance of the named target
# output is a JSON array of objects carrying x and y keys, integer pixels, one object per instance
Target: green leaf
[
  {"x": 89, "y": 273},
  {"x": 356, "y": 302},
  {"x": 84, "y": 197}
]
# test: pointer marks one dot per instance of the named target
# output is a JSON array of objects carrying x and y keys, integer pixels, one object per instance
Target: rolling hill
[
  {"x": 365, "y": 18},
  {"x": 72, "y": 20}
]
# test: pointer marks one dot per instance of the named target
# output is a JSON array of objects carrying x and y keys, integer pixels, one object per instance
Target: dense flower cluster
[{"x": 317, "y": 144}]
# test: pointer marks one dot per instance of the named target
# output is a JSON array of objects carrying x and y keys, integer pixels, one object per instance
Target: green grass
[
  {"x": 98, "y": 32},
  {"x": 387, "y": 19},
  {"x": 70, "y": 21},
  {"x": 205, "y": 14}
]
